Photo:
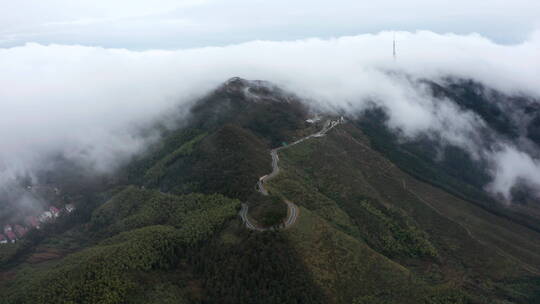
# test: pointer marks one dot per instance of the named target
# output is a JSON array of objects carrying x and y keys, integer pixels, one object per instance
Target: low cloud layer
[{"x": 89, "y": 103}]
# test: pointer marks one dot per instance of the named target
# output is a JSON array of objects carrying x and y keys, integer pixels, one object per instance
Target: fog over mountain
[{"x": 91, "y": 104}]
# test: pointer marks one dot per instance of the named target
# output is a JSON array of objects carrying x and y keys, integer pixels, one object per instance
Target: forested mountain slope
[{"x": 380, "y": 221}]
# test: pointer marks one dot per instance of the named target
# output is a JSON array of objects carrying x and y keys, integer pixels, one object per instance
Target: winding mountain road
[{"x": 292, "y": 209}]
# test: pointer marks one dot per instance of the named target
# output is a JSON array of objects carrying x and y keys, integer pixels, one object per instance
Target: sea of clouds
[{"x": 90, "y": 104}]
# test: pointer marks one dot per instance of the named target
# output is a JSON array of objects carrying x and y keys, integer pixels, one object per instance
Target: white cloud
[
  {"x": 85, "y": 101},
  {"x": 511, "y": 166}
]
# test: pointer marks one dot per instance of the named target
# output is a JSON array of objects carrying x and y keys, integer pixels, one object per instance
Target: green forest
[{"x": 379, "y": 221}]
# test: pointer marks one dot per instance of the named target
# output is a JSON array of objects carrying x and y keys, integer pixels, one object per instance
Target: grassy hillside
[
  {"x": 457, "y": 173},
  {"x": 157, "y": 240},
  {"x": 443, "y": 240},
  {"x": 228, "y": 160},
  {"x": 378, "y": 222}
]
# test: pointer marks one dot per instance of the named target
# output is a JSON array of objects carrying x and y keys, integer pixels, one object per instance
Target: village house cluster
[{"x": 14, "y": 232}]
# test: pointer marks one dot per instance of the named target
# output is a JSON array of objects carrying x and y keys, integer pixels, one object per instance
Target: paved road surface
[{"x": 292, "y": 208}]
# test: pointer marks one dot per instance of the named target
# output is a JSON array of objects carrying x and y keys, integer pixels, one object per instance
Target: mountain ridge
[{"x": 368, "y": 230}]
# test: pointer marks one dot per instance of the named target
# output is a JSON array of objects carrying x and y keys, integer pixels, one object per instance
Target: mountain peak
[{"x": 255, "y": 90}]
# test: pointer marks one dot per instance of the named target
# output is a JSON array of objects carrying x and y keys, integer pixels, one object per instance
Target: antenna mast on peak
[{"x": 394, "y": 47}]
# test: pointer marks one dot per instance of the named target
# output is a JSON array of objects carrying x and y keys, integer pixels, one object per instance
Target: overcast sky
[{"x": 170, "y": 24}]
